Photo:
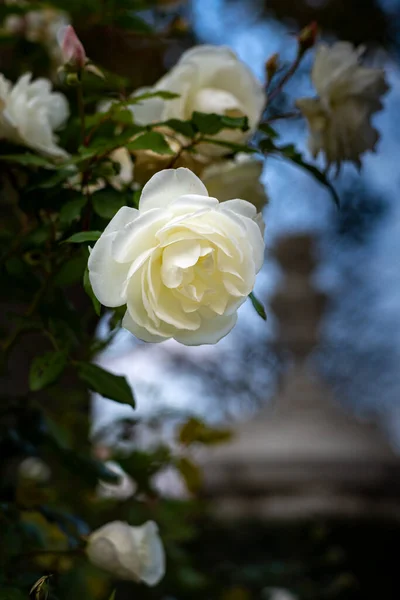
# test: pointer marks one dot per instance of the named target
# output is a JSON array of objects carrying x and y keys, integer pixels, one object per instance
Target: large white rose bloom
[
  {"x": 208, "y": 79},
  {"x": 130, "y": 553},
  {"x": 30, "y": 112},
  {"x": 348, "y": 95},
  {"x": 183, "y": 263}
]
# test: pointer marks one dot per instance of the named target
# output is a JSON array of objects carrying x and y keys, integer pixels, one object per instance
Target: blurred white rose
[
  {"x": 183, "y": 263},
  {"x": 30, "y": 112},
  {"x": 238, "y": 177},
  {"x": 131, "y": 553},
  {"x": 208, "y": 79},
  {"x": 348, "y": 95},
  {"x": 34, "y": 469},
  {"x": 124, "y": 489},
  {"x": 40, "y": 26},
  {"x": 279, "y": 594}
]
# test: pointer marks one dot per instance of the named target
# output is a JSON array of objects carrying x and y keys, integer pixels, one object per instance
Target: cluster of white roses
[{"x": 183, "y": 262}]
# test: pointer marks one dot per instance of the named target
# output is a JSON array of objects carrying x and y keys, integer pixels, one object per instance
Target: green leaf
[
  {"x": 190, "y": 472},
  {"x": 211, "y": 123},
  {"x": 89, "y": 290},
  {"x": 28, "y": 160},
  {"x": 232, "y": 146},
  {"x": 8, "y": 593},
  {"x": 72, "y": 210},
  {"x": 83, "y": 236},
  {"x": 260, "y": 310},
  {"x": 107, "y": 202},
  {"x": 195, "y": 431},
  {"x": 271, "y": 133},
  {"x": 147, "y": 95},
  {"x": 151, "y": 140},
  {"x": 46, "y": 369},
  {"x": 183, "y": 127},
  {"x": 71, "y": 270},
  {"x": 105, "y": 383},
  {"x": 113, "y": 595}
]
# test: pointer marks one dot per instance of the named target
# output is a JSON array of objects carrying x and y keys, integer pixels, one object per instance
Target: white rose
[
  {"x": 208, "y": 79},
  {"x": 238, "y": 177},
  {"x": 183, "y": 263},
  {"x": 30, "y": 112},
  {"x": 348, "y": 95},
  {"x": 130, "y": 553},
  {"x": 34, "y": 469},
  {"x": 122, "y": 490}
]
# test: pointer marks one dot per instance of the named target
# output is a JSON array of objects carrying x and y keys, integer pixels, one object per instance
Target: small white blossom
[
  {"x": 30, "y": 112},
  {"x": 183, "y": 262},
  {"x": 130, "y": 553},
  {"x": 34, "y": 469},
  {"x": 208, "y": 79},
  {"x": 124, "y": 489},
  {"x": 348, "y": 95}
]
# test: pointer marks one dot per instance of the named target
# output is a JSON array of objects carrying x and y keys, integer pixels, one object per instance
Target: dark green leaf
[
  {"x": 190, "y": 472},
  {"x": 105, "y": 383},
  {"x": 211, "y": 123},
  {"x": 71, "y": 270},
  {"x": 8, "y": 593},
  {"x": 232, "y": 146},
  {"x": 258, "y": 306},
  {"x": 107, "y": 202},
  {"x": 88, "y": 289},
  {"x": 151, "y": 140},
  {"x": 83, "y": 236},
  {"x": 271, "y": 133},
  {"x": 72, "y": 210},
  {"x": 113, "y": 595},
  {"x": 184, "y": 127},
  {"x": 195, "y": 431},
  {"x": 27, "y": 159},
  {"x": 160, "y": 94},
  {"x": 46, "y": 369}
]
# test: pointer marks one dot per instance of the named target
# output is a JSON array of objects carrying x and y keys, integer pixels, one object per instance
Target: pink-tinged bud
[
  {"x": 72, "y": 49},
  {"x": 308, "y": 36}
]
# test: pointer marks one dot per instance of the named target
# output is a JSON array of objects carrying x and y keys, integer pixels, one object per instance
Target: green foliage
[
  {"x": 195, "y": 431},
  {"x": 83, "y": 236},
  {"x": 107, "y": 202},
  {"x": 152, "y": 140},
  {"x": 46, "y": 369},
  {"x": 211, "y": 124},
  {"x": 88, "y": 289},
  {"x": 259, "y": 308},
  {"x": 114, "y": 387}
]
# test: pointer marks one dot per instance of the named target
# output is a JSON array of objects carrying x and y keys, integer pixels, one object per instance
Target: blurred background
[
  {"x": 304, "y": 500},
  {"x": 306, "y": 497}
]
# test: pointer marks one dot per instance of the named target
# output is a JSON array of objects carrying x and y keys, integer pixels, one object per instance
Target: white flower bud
[
  {"x": 122, "y": 490},
  {"x": 130, "y": 553}
]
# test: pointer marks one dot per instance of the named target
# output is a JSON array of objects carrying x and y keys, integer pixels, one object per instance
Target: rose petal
[{"x": 168, "y": 185}]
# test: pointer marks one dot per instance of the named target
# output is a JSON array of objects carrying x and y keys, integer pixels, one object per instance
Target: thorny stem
[{"x": 288, "y": 75}]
